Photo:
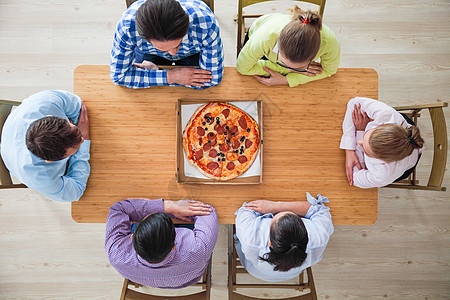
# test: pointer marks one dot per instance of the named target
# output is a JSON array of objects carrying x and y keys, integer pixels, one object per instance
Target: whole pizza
[{"x": 221, "y": 140}]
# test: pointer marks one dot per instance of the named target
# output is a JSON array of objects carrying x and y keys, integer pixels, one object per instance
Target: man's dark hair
[
  {"x": 49, "y": 138},
  {"x": 154, "y": 237},
  {"x": 161, "y": 20},
  {"x": 289, "y": 239}
]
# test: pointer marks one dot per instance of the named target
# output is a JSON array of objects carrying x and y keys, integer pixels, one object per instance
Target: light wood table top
[{"x": 133, "y": 150}]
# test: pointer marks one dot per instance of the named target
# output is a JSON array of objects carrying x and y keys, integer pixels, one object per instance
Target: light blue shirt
[
  {"x": 253, "y": 234},
  {"x": 49, "y": 179}
]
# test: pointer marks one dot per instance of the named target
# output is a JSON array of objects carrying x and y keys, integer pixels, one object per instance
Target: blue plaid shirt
[{"x": 202, "y": 37}]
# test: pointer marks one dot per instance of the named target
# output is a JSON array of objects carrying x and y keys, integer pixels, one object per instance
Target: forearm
[
  {"x": 295, "y": 79},
  {"x": 298, "y": 207}
]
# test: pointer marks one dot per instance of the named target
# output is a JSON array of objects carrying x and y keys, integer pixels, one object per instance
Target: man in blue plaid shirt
[{"x": 167, "y": 32}]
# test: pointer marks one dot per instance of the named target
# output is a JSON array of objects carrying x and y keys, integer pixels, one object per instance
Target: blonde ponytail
[{"x": 391, "y": 142}]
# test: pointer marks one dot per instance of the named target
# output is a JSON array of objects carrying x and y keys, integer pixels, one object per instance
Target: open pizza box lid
[{"x": 181, "y": 157}]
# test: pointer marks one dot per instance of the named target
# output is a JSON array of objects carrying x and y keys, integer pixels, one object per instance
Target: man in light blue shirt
[
  {"x": 42, "y": 147},
  {"x": 276, "y": 241}
]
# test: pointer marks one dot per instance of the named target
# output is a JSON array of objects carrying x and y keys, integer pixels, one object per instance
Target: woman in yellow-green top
[{"x": 282, "y": 49}]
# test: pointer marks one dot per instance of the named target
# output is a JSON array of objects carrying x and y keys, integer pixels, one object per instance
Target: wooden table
[{"x": 134, "y": 144}]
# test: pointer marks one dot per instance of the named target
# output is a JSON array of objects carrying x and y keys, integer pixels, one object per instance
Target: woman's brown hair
[
  {"x": 391, "y": 142},
  {"x": 299, "y": 41}
]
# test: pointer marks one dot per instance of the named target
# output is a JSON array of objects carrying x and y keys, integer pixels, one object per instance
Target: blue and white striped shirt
[{"x": 202, "y": 37}]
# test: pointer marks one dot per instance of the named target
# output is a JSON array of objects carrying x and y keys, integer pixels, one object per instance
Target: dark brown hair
[
  {"x": 391, "y": 142},
  {"x": 299, "y": 41},
  {"x": 161, "y": 20},
  {"x": 154, "y": 237},
  {"x": 288, "y": 238},
  {"x": 49, "y": 138}
]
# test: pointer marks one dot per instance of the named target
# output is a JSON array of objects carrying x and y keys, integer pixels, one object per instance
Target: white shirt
[
  {"x": 253, "y": 234},
  {"x": 375, "y": 172}
]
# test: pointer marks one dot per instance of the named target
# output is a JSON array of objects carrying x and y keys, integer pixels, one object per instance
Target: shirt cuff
[
  {"x": 316, "y": 204},
  {"x": 348, "y": 143},
  {"x": 156, "y": 205},
  {"x": 359, "y": 135}
]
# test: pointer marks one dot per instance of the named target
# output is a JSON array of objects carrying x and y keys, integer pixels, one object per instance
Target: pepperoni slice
[
  {"x": 230, "y": 165},
  {"x": 234, "y": 129},
  {"x": 242, "y": 159},
  {"x": 224, "y": 148},
  {"x": 236, "y": 144},
  {"x": 248, "y": 143},
  {"x": 211, "y": 136},
  {"x": 198, "y": 154},
  {"x": 206, "y": 147},
  {"x": 219, "y": 129},
  {"x": 213, "y": 142},
  {"x": 200, "y": 142},
  {"x": 226, "y": 112},
  {"x": 212, "y": 165},
  {"x": 213, "y": 153},
  {"x": 200, "y": 131},
  {"x": 243, "y": 122}
]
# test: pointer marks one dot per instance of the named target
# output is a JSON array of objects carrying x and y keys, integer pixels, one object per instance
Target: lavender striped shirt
[{"x": 182, "y": 267}]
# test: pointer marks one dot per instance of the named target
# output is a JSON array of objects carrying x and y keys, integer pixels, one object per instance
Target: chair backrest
[
  {"x": 205, "y": 284},
  {"x": 241, "y": 16},
  {"x": 210, "y": 3},
  {"x": 5, "y": 177},
  {"x": 440, "y": 147},
  {"x": 235, "y": 267}
]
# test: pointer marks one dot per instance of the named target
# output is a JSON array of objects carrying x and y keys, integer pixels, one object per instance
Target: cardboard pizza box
[{"x": 180, "y": 159}]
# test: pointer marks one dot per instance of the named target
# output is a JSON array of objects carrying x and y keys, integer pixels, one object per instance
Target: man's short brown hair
[
  {"x": 49, "y": 138},
  {"x": 161, "y": 20}
]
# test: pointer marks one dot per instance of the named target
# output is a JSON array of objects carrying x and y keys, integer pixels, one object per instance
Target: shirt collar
[{"x": 165, "y": 261}]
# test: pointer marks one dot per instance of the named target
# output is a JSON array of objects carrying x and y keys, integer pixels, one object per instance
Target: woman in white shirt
[{"x": 380, "y": 145}]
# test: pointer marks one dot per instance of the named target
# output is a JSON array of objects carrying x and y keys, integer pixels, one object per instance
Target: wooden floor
[{"x": 44, "y": 254}]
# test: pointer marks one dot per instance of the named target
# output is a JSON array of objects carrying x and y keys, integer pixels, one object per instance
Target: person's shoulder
[
  {"x": 199, "y": 13},
  {"x": 327, "y": 34}
]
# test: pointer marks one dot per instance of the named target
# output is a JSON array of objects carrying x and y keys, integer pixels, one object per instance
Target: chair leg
[
  {"x": 124, "y": 289},
  {"x": 208, "y": 280},
  {"x": 312, "y": 286}
]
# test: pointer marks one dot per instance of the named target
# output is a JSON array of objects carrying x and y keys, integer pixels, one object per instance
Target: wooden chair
[
  {"x": 235, "y": 267},
  {"x": 440, "y": 147},
  {"x": 241, "y": 16},
  {"x": 210, "y": 3},
  {"x": 205, "y": 283},
  {"x": 5, "y": 176}
]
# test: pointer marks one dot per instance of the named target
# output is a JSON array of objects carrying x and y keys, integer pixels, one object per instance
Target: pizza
[{"x": 221, "y": 140}]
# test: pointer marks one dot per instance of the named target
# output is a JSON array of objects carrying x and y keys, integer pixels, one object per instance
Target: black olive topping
[
  {"x": 248, "y": 129},
  {"x": 242, "y": 138},
  {"x": 203, "y": 123},
  {"x": 232, "y": 133},
  {"x": 223, "y": 159},
  {"x": 225, "y": 133},
  {"x": 209, "y": 141}
]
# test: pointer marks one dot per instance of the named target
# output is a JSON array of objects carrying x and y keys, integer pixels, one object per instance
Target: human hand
[
  {"x": 146, "y": 65},
  {"x": 360, "y": 118},
  {"x": 351, "y": 160},
  {"x": 313, "y": 69},
  {"x": 274, "y": 79},
  {"x": 262, "y": 206},
  {"x": 188, "y": 76},
  {"x": 184, "y": 209},
  {"x": 83, "y": 122}
]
